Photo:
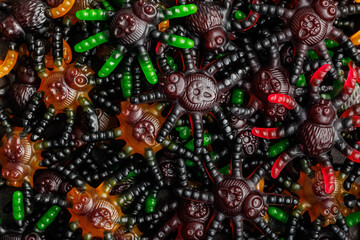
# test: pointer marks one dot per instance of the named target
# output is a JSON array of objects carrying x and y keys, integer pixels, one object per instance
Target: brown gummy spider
[
  {"x": 266, "y": 80},
  {"x": 62, "y": 89},
  {"x": 308, "y": 24},
  {"x": 194, "y": 92},
  {"x": 318, "y": 127},
  {"x": 236, "y": 197}
]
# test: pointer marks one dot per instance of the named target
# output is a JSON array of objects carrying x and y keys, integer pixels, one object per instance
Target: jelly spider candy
[
  {"x": 26, "y": 84},
  {"x": 26, "y": 17},
  {"x": 308, "y": 24},
  {"x": 318, "y": 127},
  {"x": 133, "y": 26},
  {"x": 269, "y": 79},
  {"x": 212, "y": 27},
  {"x": 50, "y": 181},
  {"x": 323, "y": 208},
  {"x": 25, "y": 227},
  {"x": 194, "y": 92},
  {"x": 62, "y": 89},
  {"x": 94, "y": 210},
  {"x": 139, "y": 125},
  {"x": 19, "y": 156},
  {"x": 236, "y": 197}
]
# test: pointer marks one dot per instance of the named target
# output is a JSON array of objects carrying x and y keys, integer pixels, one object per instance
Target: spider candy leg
[
  {"x": 271, "y": 10},
  {"x": 341, "y": 221},
  {"x": 352, "y": 111},
  {"x": 327, "y": 172},
  {"x": 28, "y": 196},
  {"x": 182, "y": 173},
  {"x": 353, "y": 218},
  {"x": 353, "y": 175},
  {"x": 323, "y": 53},
  {"x": 261, "y": 224},
  {"x": 215, "y": 224},
  {"x": 53, "y": 158},
  {"x": 62, "y": 9},
  {"x": 146, "y": 65},
  {"x": 344, "y": 41},
  {"x": 316, "y": 81},
  {"x": 316, "y": 228},
  {"x": 10, "y": 60},
  {"x": 167, "y": 228},
  {"x": 5, "y": 121},
  {"x": 338, "y": 232},
  {"x": 154, "y": 168},
  {"x": 248, "y": 22},
  {"x": 170, "y": 122},
  {"x": 39, "y": 130},
  {"x": 347, "y": 150},
  {"x": 300, "y": 54},
  {"x": 284, "y": 159},
  {"x": 113, "y": 61},
  {"x": 293, "y": 222},
  {"x": 348, "y": 88},
  {"x": 102, "y": 135}
]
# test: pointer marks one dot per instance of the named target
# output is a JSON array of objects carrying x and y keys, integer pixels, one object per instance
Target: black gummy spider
[
  {"x": 236, "y": 197},
  {"x": 194, "y": 92}
]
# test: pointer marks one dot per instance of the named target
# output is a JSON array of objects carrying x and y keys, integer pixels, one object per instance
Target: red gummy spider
[{"x": 318, "y": 127}]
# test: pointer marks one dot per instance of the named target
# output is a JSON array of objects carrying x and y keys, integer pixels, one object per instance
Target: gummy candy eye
[
  {"x": 15, "y": 174},
  {"x": 324, "y": 3},
  {"x": 149, "y": 10},
  {"x": 219, "y": 40},
  {"x": 171, "y": 88},
  {"x": 326, "y": 212},
  {"x": 335, "y": 209},
  {"x": 200, "y": 233},
  {"x": 281, "y": 110},
  {"x": 332, "y": 11},
  {"x": 174, "y": 78},
  {"x": 142, "y": 2},
  {"x": 256, "y": 202},
  {"x": 78, "y": 206},
  {"x": 85, "y": 199},
  {"x": 190, "y": 232},
  {"x": 74, "y": 72}
]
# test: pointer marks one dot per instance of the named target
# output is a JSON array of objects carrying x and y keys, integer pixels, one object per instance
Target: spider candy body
[
  {"x": 62, "y": 90},
  {"x": 194, "y": 92},
  {"x": 308, "y": 24},
  {"x": 272, "y": 79},
  {"x": 27, "y": 18},
  {"x": 19, "y": 158},
  {"x": 95, "y": 210},
  {"x": 213, "y": 26},
  {"x": 50, "y": 181},
  {"x": 134, "y": 27},
  {"x": 236, "y": 197},
  {"x": 26, "y": 84},
  {"x": 139, "y": 126},
  {"x": 318, "y": 127},
  {"x": 324, "y": 208}
]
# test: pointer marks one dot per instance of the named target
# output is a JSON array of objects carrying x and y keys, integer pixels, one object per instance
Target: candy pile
[{"x": 187, "y": 119}]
